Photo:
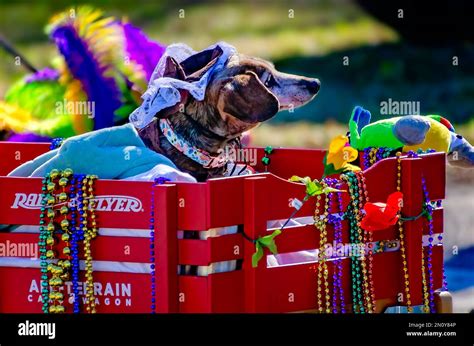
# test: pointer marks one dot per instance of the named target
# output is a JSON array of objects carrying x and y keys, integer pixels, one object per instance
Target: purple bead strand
[
  {"x": 158, "y": 181},
  {"x": 337, "y": 272},
  {"x": 338, "y": 227},
  {"x": 429, "y": 210}
]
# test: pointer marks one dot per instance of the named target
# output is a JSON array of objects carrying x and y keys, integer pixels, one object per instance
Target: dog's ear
[
  {"x": 191, "y": 69},
  {"x": 198, "y": 64},
  {"x": 245, "y": 97},
  {"x": 173, "y": 69}
]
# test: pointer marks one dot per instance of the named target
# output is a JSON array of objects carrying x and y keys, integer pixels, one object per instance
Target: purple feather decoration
[
  {"x": 142, "y": 50},
  {"x": 28, "y": 137},
  {"x": 101, "y": 90},
  {"x": 46, "y": 74}
]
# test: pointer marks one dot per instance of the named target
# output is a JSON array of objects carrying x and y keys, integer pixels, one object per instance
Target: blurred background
[{"x": 362, "y": 51}]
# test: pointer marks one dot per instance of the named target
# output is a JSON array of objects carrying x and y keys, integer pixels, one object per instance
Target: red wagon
[{"x": 121, "y": 252}]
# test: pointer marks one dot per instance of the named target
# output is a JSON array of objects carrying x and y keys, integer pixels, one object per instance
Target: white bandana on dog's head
[{"x": 163, "y": 92}]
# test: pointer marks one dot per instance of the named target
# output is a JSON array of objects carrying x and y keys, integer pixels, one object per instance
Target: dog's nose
[{"x": 313, "y": 85}]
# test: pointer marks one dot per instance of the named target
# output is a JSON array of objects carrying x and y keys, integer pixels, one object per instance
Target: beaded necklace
[
  {"x": 50, "y": 229},
  {"x": 402, "y": 240},
  {"x": 372, "y": 155},
  {"x": 44, "y": 234},
  {"x": 428, "y": 285},
  {"x": 429, "y": 215},
  {"x": 266, "y": 158},
  {"x": 152, "y": 250},
  {"x": 365, "y": 157},
  {"x": 56, "y": 143},
  {"x": 90, "y": 232},
  {"x": 338, "y": 237},
  {"x": 75, "y": 238},
  {"x": 356, "y": 270},
  {"x": 444, "y": 287},
  {"x": 360, "y": 238},
  {"x": 357, "y": 207},
  {"x": 65, "y": 224},
  {"x": 429, "y": 212},
  {"x": 59, "y": 271},
  {"x": 440, "y": 239},
  {"x": 426, "y": 295},
  {"x": 367, "y": 239},
  {"x": 336, "y": 220},
  {"x": 323, "y": 273},
  {"x": 158, "y": 181}
]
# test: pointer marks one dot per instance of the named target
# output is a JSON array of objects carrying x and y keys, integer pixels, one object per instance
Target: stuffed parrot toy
[
  {"x": 102, "y": 61},
  {"x": 411, "y": 132}
]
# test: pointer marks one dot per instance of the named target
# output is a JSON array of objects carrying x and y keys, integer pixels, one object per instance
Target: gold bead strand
[
  {"x": 402, "y": 236},
  {"x": 317, "y": 223},
  {"x": 325, "y": 265},
  {"x": 85, "y": 216},
  {"x": 55, "y": 269},
  {"x": 90, "y": 234},
  {"x": 368, "y": 239},
  {"x": 65, "y": 264},
  {"x": 323, "y": 273},
  {"x": 426, "y": 295},
  {"x": 373, "y": 156},
  {"x": 50, "y": 241}
]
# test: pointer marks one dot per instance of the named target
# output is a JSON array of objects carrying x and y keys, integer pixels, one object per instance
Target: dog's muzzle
[{"x": 312, "y": 85}]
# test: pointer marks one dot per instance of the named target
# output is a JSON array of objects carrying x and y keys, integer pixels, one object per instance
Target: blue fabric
[{"x": 111, "y": 153}]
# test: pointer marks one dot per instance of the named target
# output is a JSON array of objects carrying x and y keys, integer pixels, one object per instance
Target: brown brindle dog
[{"x": 240, "y": 96}]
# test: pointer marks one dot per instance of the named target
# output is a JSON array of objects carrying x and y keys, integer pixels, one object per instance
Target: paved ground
[{"x": 459, "y": 233}]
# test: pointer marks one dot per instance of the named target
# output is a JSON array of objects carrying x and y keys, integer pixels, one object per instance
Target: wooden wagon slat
[
  {"x": 116, "y": 249},
  {"x": 14, "y": 154},
  {"x": 115, "y": 292},
  {"x": 166, "y": 247},
  {"x": 214, "y": 249}
]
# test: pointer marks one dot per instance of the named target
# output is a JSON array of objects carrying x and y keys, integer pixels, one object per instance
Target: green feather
[{"x": 39, "y": 98}]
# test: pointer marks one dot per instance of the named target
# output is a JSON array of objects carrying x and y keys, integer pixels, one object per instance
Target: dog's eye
[{"x": 270, "y": 81}]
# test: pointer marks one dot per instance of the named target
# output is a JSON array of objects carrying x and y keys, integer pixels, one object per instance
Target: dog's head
[
  {"x": 249, "y": 91},
  {"x": 242, "y": 94}
]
